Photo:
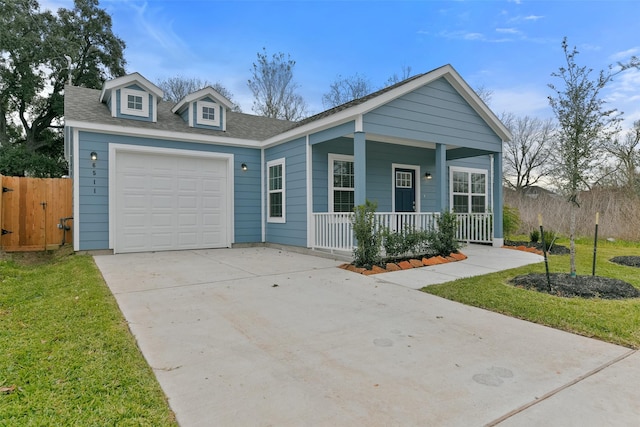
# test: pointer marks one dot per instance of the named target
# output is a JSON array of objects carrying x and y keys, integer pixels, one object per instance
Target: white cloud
[
  {"x": 533, "y": 17},
  {"x": 623, "y": 93},
  {"x": 507, "y": 30},
  {"x": 521, "y": 101},
  {"x": 625, "y": 54}
]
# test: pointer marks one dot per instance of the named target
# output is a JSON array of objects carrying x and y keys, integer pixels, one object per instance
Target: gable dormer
[
  {"x": 132, "y": 97},
  {"x": 206, "y": 109}
]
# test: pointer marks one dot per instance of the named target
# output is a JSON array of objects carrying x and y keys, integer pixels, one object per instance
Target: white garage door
[{"x": 170, "y": 202}]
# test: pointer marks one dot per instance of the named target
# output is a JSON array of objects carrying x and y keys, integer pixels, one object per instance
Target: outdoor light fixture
[
  {"x": 427, "y": 175},
  {"x": 244, "y": 167},
  {"x": 94, "y": 156}
]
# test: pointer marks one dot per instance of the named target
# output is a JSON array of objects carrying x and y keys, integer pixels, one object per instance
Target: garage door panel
[{"x": 166, "y": 202}]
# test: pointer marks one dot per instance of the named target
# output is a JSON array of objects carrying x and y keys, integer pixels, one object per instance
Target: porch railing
[{"x": 334, "y": 231}]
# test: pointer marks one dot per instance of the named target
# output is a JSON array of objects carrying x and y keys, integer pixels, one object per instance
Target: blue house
[{"x": 151, "y": 175}]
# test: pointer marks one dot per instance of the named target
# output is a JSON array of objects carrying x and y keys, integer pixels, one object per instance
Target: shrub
[
  {"x": 443, "y": 240},
  {"x": 534, "y": 236},
  {"x": 548, "y": 237},
  {"x": 408, "y": 241},
  {"x": 510, "y": 219},
  {"x": 367, "y": 251}
]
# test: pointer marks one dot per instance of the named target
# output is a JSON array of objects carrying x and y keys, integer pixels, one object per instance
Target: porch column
[
  {"x": 441, "y": 178},
  {"x": 360, "y": 168},
  {"x": 498, "y": 232}
]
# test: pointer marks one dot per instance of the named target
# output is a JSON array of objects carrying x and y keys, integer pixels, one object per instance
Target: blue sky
[{"x": 510, "y": 47}]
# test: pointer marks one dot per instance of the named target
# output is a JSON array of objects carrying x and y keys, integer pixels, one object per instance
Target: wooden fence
[{"x": 35, "y": 213}]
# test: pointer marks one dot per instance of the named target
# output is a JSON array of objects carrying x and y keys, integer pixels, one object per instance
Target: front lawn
[
  {"x": 615, "y": 321},
  {"x": 68, "y": 357}
]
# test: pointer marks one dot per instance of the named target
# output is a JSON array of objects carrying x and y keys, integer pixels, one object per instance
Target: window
[
  {"x": 208, "y": 113},
  {"x": 404, "y": 179},
  {"x": 276, "y": 192},
  {"x": 134, "y": 102},
  {"x": 468, "y": 190},
  {"x": 341, "y": 193}
]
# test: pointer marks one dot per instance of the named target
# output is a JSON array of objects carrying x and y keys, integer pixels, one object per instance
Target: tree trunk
[{"x": 572, "y": 235}]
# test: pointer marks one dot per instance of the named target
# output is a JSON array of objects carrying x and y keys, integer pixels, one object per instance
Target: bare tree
[
  {"x": 345, "y": 89},
  {"x": 625, "y": 149},
  {"x": 177, "y": 87},
  {"x": 484, "y": 93},
  {"x": 526, "y": 157},
  {"x": 397, "y": 78},
  {"x": 274, "y": 89},
  {"x": 583, "y": 123}
]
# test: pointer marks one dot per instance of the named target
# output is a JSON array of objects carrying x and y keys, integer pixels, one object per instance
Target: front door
[{"x": 405, "y": 182}]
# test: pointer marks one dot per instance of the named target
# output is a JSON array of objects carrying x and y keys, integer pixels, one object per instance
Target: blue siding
[
  {"x": 294, "y": 230},
  {"x": 380, "y": 158},
  {"x": 433, "y": 113},
  {"x": 320, "y": 171},
  {"x": 93, "y": 223}
]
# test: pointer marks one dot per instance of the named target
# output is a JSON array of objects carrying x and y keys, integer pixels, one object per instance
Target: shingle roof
[{"x": 82, "y": 104}]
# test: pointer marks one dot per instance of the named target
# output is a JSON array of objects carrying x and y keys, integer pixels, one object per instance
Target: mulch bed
[
  {"x": 629, "y": 261},
  {"x": 564, "y": 285},
  {"x": 555, "y": 249},
  {"x": 405, "y": 264}
]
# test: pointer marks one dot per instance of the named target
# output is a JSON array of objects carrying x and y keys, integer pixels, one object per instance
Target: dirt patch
[
  {"x": 37, "y": 257},
  {"x": 563, "y": 285},
  {"x": 555, "y": 249},
  {"x": 629, "y": 261}
]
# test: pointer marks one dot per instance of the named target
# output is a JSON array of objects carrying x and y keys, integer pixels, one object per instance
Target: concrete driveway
[{"x": 266, "y": 337}]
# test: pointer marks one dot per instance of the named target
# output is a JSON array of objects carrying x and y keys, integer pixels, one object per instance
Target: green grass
[
  {"x": 615, "y": 321},
  {"x": 68, "y": 351}
]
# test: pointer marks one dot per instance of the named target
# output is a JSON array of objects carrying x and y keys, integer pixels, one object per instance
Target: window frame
[
  {"x": 282, "y": 190},
  {"x": 200, "y": 111},
  {"x": 469, "y": 193},
  {"x": 332, "y": 189},
  {"x": 124, "y": 102}
]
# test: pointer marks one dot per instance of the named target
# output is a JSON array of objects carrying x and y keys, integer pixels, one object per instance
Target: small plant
[
  {"x": 510, "y": 219},
  {"x": 549, "y": 237},
  {"x": 367, "y": 251},
  {"x": 534, "y": 236},
  {"x": 443, "y": 240}
]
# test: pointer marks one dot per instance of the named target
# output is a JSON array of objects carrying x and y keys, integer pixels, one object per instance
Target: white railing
[
  {"x": 475, "y": 228},
  {"x": 334, "y": 231}
]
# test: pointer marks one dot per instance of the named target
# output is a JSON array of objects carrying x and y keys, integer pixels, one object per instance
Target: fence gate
[{"x": 35, "y": 213}]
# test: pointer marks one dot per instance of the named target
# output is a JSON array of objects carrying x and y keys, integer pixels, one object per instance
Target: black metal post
[
  {"x": 544, "y": 252},
  {"x": 595, "y": 246}
]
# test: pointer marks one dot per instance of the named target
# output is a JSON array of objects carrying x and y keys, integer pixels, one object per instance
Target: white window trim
[
  {"x": 485, "y": 172},
  {"x": 201, "y": 121},
  {"x": 124, "y": 104},
  {"x": 416, "y": 169},
  {"x": 332, "y": 158},
  {"x": 283, "y": 190}
]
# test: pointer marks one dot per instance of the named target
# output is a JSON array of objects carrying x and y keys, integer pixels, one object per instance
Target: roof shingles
[{"x": 83, "y": 105}]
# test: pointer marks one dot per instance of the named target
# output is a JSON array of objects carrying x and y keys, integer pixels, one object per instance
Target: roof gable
[
  {"x": 133, "y": 78},
  {"x": 354, "y": 110},
  {"x": 200, "y": 94}
]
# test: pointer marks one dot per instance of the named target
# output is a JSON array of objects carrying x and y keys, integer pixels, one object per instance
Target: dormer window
[
  {"x": 134, "y": 102},
  {"x": 208, "y": 113}
]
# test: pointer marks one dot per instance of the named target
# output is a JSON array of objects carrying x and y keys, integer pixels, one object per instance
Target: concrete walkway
[{"x": 259, "y": 337}]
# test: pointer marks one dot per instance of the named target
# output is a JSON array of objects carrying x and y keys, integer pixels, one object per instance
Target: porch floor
[{"x": 482, "y": 259}]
